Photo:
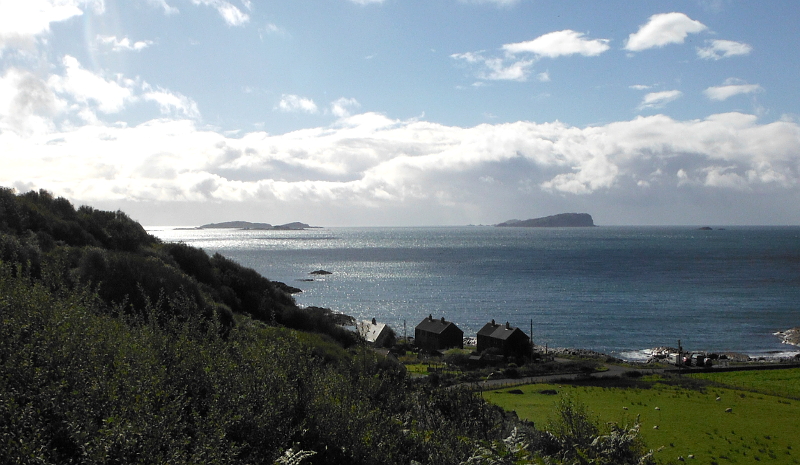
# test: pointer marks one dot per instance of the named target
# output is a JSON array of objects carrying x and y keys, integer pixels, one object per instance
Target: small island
[
  {"x": 295, "y": 226},
  {"x": 562, "y": 220}
]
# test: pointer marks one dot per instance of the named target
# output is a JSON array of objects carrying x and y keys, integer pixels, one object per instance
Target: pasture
[{"x": 685, "y": 420}]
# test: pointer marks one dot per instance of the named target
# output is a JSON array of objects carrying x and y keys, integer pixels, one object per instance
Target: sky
[{"x": 405, "y": 112}]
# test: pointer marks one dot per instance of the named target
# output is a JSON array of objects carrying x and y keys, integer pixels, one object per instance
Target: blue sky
[{"x": 393, "y": 112}]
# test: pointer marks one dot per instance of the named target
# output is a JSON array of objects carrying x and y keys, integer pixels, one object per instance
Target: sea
[{"x": 616, "y": 290}]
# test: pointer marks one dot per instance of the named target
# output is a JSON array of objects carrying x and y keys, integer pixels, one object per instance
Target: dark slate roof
[
  {"x": 488, "y": 329},
  {"x": 497, "y": 331},
  {"x": 433, "y": 325}
]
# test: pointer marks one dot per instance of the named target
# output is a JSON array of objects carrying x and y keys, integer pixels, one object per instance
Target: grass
[
  {"x": 760, "y": 428},
  {"x": 783, "y": 383},
  {"x": 428, "y": 368}
]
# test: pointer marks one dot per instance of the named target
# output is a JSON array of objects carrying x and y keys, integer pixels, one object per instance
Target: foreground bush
[{"x": 78, "y": 385}]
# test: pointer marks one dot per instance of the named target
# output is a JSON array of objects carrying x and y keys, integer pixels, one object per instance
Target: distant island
[
  {"x": 296, "y": 226},
  {"x": 562, "y": 220}
]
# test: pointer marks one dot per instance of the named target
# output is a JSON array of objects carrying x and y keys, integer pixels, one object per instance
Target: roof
[
  {"x": 370, "y": 330},
  {"x": 488, "y": 329},
  {"x": 435, "y": 326},
  {"x": 498, "y": 331}
]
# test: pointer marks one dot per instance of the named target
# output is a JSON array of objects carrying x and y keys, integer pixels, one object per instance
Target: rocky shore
[{"x": 790, "y": 336}]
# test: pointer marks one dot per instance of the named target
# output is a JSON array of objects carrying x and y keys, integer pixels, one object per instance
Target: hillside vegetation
[{"x": 118, "y": 348}]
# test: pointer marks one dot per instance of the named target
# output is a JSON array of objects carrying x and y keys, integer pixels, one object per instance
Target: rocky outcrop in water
[{"x": 790, "y": 336}]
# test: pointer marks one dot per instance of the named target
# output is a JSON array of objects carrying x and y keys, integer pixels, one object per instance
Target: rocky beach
[{"x": 790, "y": 336}]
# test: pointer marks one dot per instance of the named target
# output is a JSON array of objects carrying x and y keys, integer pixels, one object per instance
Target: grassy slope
[
  {"x": 783, "y": 383},
  {"x": 760, "y": 428}
]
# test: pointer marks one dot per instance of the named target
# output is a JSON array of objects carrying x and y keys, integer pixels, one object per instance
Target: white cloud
[
  {"x": 294, "y": 103},
  {"x": 560, "y": 43},
  {"x": 168, "y": 10},
  {"x": 232, "y": 15},
  {"x": 510, "y": 68},
  {"x": 21, "y": 21},
  {"x": 369, "y": 160},
  {"x": 341, "y": 107},
  {"x": 82, "y": 85},
  {"x": 124, "y": 44},
  {"x": 172, "y": 103},
  {"x": 719, "y": 49},
  {"x": 730, "y": 88},
  {"x": 640, "y": 87},
  {"x": 659, "y": 99},
  {"x": 496, "y": 69},
  {"x": 663, "y": 29},
  {"x": 27, "y": 105},
  {"x": 271, "y": 28}
]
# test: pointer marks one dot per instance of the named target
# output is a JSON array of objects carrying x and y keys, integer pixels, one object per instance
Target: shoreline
[
  {"x": 790, "y": 336},
  {"x": 662, "y": 354}
]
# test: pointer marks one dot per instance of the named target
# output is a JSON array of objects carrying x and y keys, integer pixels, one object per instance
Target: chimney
[
  {"x": 374, "y": 322},
  {"x": 430, "y": 317},
  {"x": 508, "y": 325},
  {"x": 442, "y": 319},
  {"x": 493, "y": 323}
]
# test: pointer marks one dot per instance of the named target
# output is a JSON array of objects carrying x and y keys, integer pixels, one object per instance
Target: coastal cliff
[{"x": 562, "y": 220}]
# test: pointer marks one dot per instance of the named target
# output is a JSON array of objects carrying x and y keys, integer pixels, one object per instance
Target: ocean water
[{"x": 617, "y": 290}]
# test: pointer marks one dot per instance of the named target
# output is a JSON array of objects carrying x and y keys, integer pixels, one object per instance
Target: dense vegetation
[{"x": 117, "y": 348}]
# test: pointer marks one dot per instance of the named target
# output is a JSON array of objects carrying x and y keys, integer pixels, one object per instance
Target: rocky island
[
  {"x": 562, "y": 220},
  {"x": 296, "y": 226}
]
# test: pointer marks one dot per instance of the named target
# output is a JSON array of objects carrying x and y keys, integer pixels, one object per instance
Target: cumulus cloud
[
  {"x": 730, "y": 88},
  {"x": 560, "y": 43},
  {"x": 294, "y": 104},
  {"x": 718, "y": 49},
  {"x": 110, "y": 96},
  {"x": 496, "y": 69},
  {"x": 22, "y": 21},
  {"x": 510, "y": 68},
  {"x": 172, "y": 103},
  {"x": 663, "y": 29},
  {"x": 342, "y": 106},
  {"x": 232, "y": 15},
  {"x": 659, "y": 99},
  {"x": 26, "y": 103},
  {"x": 369, "y": 160},
  {"x": 124, "y": 44}
]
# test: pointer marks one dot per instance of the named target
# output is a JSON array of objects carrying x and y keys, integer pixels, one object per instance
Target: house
[
  {"x": 377, "y": 334},
  {"x": 510, "y": 341},
  {"x": 433, "y": 335}
]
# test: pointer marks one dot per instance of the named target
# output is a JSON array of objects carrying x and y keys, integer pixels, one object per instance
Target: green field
[
  {"x": 759, "y": 428},
  {"x": 783, "y": 383}
]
